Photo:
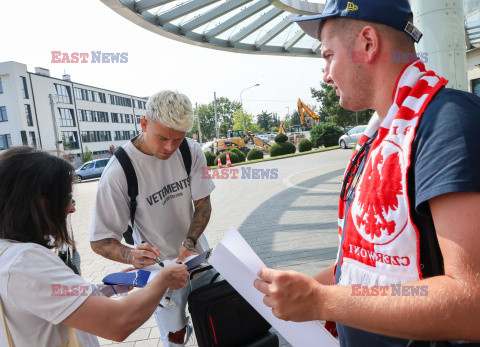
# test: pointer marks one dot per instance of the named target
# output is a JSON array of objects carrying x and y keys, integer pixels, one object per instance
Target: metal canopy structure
[{"x": 246, "y": 26}]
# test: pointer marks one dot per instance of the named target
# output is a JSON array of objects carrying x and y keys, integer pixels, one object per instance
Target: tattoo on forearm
[
  {"x": 113, "y": 250},
  {"x": 201, "y": 217}
]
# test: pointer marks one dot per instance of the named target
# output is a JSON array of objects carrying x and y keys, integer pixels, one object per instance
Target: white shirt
[
  {"x": 165, "y": 199},
  {"x": 32, "y": 281}
]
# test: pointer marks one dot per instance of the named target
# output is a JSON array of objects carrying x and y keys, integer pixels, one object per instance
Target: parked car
[
  {"x": 351, "y": 138},
  {"x": 91, "y": 169}
]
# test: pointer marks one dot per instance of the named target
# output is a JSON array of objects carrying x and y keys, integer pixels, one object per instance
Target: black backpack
[{"x": 132, "y": 181}]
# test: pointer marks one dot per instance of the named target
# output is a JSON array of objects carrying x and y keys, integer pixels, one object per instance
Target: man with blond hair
[
  {"x": 408, "y": 266},
  {"x": 173, "y": 207}
]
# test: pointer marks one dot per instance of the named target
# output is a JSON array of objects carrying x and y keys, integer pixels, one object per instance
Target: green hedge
[
  {"x": 305, "y": 145},
  {"x": 282, "y": 149},
  {"x": 326, "y": 135},
  {"x": 210, "y": 158},
  {"x": 255, "y": 154},
  {"x": 281, "y": 138},
  {"x": 239, "y": 153},
  {"x": 223, "y": 158}
]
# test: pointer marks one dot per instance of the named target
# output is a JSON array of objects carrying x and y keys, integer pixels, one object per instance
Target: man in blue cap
[{"x": 408, "y": 265}]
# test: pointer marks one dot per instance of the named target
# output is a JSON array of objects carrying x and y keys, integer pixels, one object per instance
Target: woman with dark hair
[{"x": 44, "y": 302}]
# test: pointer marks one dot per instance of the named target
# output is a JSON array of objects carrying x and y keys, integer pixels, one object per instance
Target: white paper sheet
[{"x": 239, "y": 264}]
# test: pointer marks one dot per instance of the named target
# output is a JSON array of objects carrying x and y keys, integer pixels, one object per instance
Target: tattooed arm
[
  {"x": 199, "y": 222},
  {"x": 139, "y": 257}
]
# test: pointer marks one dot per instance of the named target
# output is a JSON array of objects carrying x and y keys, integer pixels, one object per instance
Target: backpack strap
[
  {"x": 186, "y": 156},
  {"x": 132, "y": 181}
]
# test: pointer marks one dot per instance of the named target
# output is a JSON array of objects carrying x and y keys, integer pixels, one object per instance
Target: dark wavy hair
[{"x": 35, "y": 192}]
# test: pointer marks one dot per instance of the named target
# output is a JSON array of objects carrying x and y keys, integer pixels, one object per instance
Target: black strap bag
[{"x": 222, "y": 317}]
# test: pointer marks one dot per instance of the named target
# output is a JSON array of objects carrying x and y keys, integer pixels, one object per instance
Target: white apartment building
[{"x": 58, "y": 114}]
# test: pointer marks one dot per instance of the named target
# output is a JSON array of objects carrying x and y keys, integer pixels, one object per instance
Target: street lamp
[{"x": 241, "y": 104}]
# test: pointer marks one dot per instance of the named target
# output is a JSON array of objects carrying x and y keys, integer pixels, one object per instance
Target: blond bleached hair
[{"x": 171, "y": 109}]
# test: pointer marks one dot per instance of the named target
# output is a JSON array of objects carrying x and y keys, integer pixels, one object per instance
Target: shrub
[
  {"x": 282, "y": 149},
  {"x": 255, "y": 154},
  {"x": 210, "y": 158},
  {"x": 325, "y": 135},
  {"x": 281, "y": 138},
  {"x": 223, "y": 158},
  {"x": 239, "y": 153},
  {"x": 305, "y": 145},
  {"x": 88, "y": 155}
]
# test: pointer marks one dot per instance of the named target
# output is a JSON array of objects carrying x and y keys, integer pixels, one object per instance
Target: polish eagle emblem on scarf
[{"x": 377, "y": 211}]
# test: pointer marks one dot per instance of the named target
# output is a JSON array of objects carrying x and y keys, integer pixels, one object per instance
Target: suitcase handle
[{"x": 197, "y": 271}]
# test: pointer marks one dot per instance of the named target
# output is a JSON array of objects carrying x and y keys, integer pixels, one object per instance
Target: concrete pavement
[{"x": 290, "y": 221}]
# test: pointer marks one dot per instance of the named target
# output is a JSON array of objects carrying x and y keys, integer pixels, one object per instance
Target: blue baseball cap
[{"x": 394, "y": 13}]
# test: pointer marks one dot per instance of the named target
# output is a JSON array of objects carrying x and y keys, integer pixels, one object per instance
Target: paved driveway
[{"x": 289, "y": 220}]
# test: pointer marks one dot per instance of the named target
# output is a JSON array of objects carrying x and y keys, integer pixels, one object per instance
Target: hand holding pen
[{"x": 143, "y": 255}]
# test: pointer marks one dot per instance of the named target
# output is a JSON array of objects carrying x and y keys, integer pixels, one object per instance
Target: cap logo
[
  {"x": 351, "y": 6},
  {"x": 412, "y": 30}
]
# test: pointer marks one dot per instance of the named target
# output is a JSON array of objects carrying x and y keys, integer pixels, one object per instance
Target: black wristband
[{"x": 194, "y": 240}]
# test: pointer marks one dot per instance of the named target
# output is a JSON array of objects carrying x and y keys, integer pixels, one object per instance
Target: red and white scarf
[{"x": 381, "y": 245}]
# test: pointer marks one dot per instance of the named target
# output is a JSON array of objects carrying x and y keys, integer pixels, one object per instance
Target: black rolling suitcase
[{"x": 222, "y": 317}]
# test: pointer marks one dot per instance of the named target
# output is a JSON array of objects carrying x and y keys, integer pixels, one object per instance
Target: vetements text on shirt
[{"x": 168, "y": 189}]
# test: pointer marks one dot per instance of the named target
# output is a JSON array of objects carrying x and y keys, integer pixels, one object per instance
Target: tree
[
  {"x": 225, "y": 112},
  {"x": 249, "y": 124},
  {"x": 88, "y": 155},
  {"x": 329, "y": 99}
]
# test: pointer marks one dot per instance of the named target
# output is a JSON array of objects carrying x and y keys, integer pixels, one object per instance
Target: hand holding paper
[
  {"x": 291, "y": 295},
  {"x": 239, "y": 264}
]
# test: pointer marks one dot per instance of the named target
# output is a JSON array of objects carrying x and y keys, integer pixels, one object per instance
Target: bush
[
  {"x": 325, "y": 135},
  {"x": 87, "y": 156},
  {"x": 239, "y": 153},
  {"x": 210, "y": 158},
  {"x": 223, "y": 158},
  {"x": 305, "y": 145},
  {"x": 281, "y": 138},
  {"x": 282, "y": 149},
  {"x": 255, "y": 154}
]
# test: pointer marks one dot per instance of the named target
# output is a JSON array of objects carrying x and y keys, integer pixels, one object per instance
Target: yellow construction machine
[
  {"x": 308, "y": 118},
  {"x": 237, "y": 139}
]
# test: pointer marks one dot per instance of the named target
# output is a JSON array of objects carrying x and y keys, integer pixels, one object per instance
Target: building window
[
  {"x": 1, "y": 86},
  {"x": 24, "y": 87},
  {"x": 70, "y": 140},
  {"x": 93, "y": 116},
  {"x": 124, "y": 135},
  {"x": 63, "y": 94},
  {"x": 5, "y": 141},
  {"x": 88, "y": 95},
  {"x": 28, "y": 114},
  {"x": 3, "y": 114},
  {"x": 476, "y": 86},
  {"x": 96, "y": 136},
  {"x": 66, "y": 117},
  {"x": 120, "y": 101},
  {"x": 122, "y": 118},
  {"x": 141, "y": 104},
  {"x": 33, "y": 139}
]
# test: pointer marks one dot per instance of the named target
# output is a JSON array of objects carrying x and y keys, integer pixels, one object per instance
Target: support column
[{"x": 442, "y": 23}]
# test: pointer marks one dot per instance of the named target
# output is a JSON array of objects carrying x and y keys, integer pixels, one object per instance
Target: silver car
[
  {"x": 91, "y": 169},
  {"x": 350, "y": 139}
]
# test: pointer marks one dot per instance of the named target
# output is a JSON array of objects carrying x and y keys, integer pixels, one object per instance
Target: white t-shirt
[
  {"x": 165, "y": 199},
  {"x": 32, "y": 281}
]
